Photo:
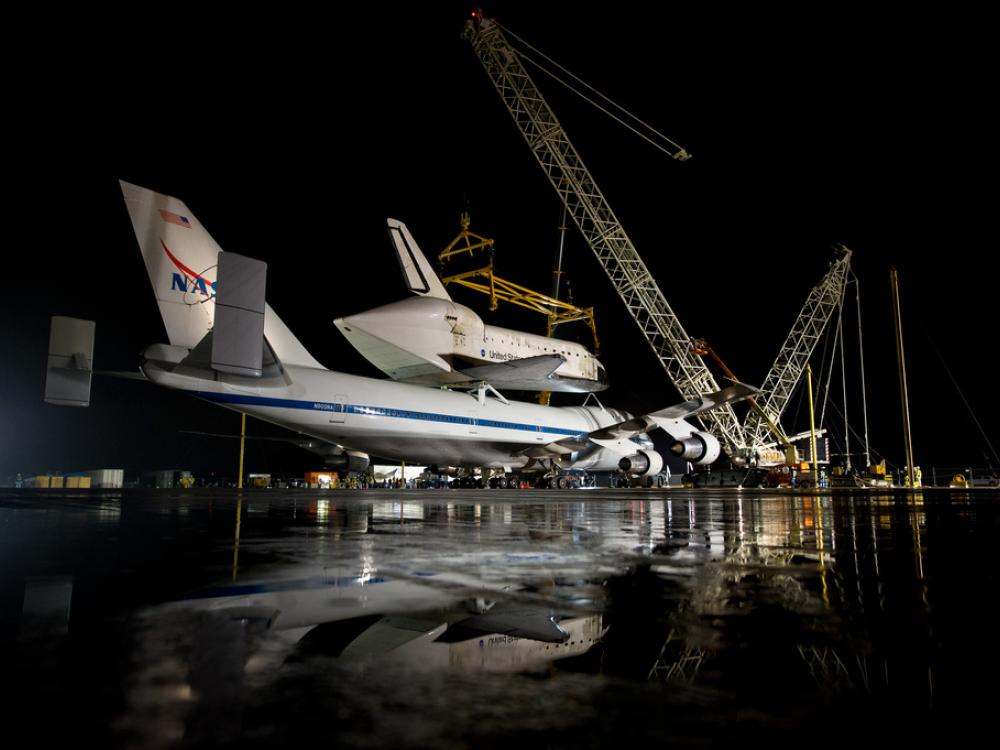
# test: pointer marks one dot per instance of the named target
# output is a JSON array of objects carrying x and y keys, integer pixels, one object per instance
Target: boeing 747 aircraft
[{"x": 227, "y": 346}]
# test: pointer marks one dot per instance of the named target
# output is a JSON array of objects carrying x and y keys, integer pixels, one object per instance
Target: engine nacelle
[
  {"x": 642, "y": 463},
  {"x": 447, "y": 471},
  {"x": 698, "y": 448},
  {"x": 349, "y": 461}
]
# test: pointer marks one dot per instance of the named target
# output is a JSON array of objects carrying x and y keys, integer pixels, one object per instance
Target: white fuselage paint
[{"x": 402, "y": 421}]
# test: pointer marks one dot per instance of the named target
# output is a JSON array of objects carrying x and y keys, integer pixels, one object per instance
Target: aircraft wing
[
  {"x": 672, "y": 420},
  {"x": 530, "y": 372}
]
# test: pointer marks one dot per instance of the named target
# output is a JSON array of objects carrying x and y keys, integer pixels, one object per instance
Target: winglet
[{"x": 417, "y": 272}]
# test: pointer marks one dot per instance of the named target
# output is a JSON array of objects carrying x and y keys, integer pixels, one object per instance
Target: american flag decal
[{"x": 172, "y": 218}]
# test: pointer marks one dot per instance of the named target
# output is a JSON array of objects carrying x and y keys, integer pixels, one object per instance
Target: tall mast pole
[{"x": 901, "y": 361}]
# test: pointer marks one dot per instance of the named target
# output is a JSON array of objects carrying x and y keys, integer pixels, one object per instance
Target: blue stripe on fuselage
[{"x": 375, "y": 411}]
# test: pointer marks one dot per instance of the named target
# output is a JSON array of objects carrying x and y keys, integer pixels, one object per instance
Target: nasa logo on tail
[{"x": 187, "y": 280}]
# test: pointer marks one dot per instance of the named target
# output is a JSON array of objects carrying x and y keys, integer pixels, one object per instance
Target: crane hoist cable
[{"x": 675, "y": 152}]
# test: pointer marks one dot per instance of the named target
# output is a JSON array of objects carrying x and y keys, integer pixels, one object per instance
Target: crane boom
[
  {"x": 807, "y": 330},
  {"x": 600, "y": 227}
]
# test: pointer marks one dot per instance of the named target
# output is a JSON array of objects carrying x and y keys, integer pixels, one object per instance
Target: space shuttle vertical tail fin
[{"x": 417, "y": 272}]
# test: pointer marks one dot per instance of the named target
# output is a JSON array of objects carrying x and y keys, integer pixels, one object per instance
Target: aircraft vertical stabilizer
[
  {"x": 182, "y": 262},
  {"x": 417, "y": 272},
  {"x": 180, "y": 257}
]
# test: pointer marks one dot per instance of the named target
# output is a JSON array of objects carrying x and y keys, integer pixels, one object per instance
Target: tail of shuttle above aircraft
[
  {"x": 417, "y": 272},
  {"x": 182, "y": 263}
]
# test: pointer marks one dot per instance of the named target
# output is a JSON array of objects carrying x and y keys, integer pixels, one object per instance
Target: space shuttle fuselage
[{"x": 433, "y": 341}]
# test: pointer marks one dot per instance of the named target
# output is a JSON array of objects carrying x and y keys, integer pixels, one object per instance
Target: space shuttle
[
  {"x": 429, "y": 339},
  {"x": 227, "y": 346}
]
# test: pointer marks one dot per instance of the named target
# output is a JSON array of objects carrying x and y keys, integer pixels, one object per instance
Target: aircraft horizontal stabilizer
[{"x": 122, "y": 374}]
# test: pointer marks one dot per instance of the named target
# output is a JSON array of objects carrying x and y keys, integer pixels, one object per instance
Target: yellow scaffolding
[{"x": 499, "y": 290}]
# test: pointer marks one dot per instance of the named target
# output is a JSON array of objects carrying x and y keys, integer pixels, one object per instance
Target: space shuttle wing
[
  {"x": 519, "y": 622},
  {"x": 517, "y": 374},
  {"x": 673, "y": 420}
]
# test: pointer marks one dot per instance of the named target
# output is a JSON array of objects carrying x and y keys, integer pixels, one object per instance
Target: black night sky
[{"x": 293, "y": 138}]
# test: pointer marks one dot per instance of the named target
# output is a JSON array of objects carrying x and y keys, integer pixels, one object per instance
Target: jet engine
[
  {"x": 642, "y": 463},
  {"x": 349, "y": 461},
  {"x": 698, "y": 448},
  {"x": 447, "y": 471}
]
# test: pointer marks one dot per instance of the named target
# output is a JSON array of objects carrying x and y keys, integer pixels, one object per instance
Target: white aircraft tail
[
  {"x": 182, "y": 260},
  {"x": 418, "y": 273}
]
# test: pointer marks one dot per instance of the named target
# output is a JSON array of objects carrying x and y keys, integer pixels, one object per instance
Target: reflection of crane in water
[{"x": 769, "y": 560}]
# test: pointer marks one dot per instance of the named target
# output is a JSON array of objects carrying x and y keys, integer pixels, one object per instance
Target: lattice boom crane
[
  {"x": 826, "y": 297},
  {"x": 599, "y": 226}
]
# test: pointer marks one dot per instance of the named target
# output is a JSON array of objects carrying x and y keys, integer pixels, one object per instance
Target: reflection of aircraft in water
[
  {"x": 427, "y": 620},
  {"x": 505, "y": 639}
]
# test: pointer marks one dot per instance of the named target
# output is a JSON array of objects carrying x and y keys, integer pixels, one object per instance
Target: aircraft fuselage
[{"x": 401, "y": 421}]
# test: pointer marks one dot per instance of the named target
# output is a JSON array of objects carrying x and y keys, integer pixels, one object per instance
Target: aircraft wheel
[{"x": 502, "y": 483}]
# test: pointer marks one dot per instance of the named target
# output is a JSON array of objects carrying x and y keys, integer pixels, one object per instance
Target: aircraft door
[{"x": 339, "y": 410}]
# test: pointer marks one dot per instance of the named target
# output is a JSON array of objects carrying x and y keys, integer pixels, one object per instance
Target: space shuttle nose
[
  {"x": 351, "y": 321},
  {"x": 371, "y": 321}
]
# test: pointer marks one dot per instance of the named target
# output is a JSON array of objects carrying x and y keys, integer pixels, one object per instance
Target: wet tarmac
[{"x": 478, "y": 619}]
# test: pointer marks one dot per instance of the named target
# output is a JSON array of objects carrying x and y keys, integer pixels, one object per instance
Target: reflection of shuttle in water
[
  {"x": 505, "y": 642},
  {"x": 432, "y": 340},
  {"x": 433, "y": 621}
]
